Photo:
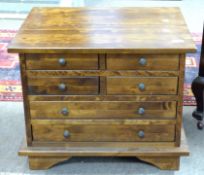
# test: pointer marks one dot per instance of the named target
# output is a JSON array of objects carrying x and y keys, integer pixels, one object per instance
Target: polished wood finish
[
  {"x": 180, "y": 99},
  {"x": 113, "y": 30},
  {"x": 71, "y": 61},
  {"x": 141, "y": 98},
  {"x": 132, "y": 62},
  {"x": 105, "y": 109},
  {"x": 170, "y": 163},
  {"x": 26, "y": 100},
  {"x": 154, "y": 154},
  {"x": 105, "y": 148},
  {"x": 153, "y": 85},
  {"x": 134, "y": 73},
  {"x": 103, "y": 82},
  {"x": 73, "y": 86},
  {"x": 43, "y": 163},
  {"x": 103, "y": 133}
]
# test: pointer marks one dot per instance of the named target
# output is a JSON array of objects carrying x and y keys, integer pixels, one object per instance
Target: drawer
[
  {"x": 142, "y": 85},
  {"x": 142, "y": 62},
  {"x": 63, "y": 86},
  {"x": 103, "y": 133},
  {"x": 62, "y": 61},
  {"x": 101, "y": 109}
]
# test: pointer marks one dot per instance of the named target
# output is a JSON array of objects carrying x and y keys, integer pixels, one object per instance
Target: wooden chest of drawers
[{"x": 103, "y": 82}]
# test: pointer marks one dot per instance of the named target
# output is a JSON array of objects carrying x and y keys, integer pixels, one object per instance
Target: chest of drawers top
[{"x": 86, "y": 30}]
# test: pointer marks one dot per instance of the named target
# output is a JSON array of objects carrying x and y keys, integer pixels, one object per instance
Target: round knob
[
  {"x": 62, "y": 61},
  {"x": 141, "y": 134},
  {"x": 141, "y": 111},
  {"x": 64, "y": 111},
  {"x": 142, "y": 61},
  {"x": 66, "y": 134},
  {"x": 141, "y": 86},
  {"x": 61, "y": 86}
]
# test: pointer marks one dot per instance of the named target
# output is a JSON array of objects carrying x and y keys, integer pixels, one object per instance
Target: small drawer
[
  {"x": 142, "y": 62},
  {"x": 63, "y": 86},
  {"x": 102, "y": 110},
  {"x": 142, "y": 85},
  {"x": 103, "y": 132},
  {"x": 62, "y": 61}
]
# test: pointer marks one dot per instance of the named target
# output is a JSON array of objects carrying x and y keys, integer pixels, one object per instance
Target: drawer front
[
  {"x": 103, "y": 109},
  {"x": 142, "y": 85},
  {"x": 99, "y": 133},
  {"x": 63, "y": 86},
  {"x": 62, "y": 61},
  {"x": 142, "y": 62}
]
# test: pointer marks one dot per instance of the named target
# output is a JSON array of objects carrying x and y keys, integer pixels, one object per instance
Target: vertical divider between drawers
[{"x": 102, "y": 79}]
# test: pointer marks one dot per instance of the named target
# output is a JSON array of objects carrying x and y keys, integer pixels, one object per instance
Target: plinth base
[{"x": 163, "y": 157}]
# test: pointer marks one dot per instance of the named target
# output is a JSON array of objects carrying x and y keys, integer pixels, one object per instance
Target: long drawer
[
  {"x": 101, "y": 109},
  {"x": 142, "y": 62},
  {"x": 99, "y": 133},
  {"x": 62, "y": 61},
  {"x": 63, "y": 86},
  {"x": 142, "y": 85}
]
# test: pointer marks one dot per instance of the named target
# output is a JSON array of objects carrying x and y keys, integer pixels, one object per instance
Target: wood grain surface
[
  {"x": 154, "y": 149},
  {"x": 100, "y": 133},
  {"x": 108, "y": 30},
  {"x": 153, "y": 85},
  {"x": 138, "y": 73},
  {"x": 103, "y": 109},
  {"x": 103, "y": 82},
  {"x": 72, "y": 61},
  {"x": 132, "y": 62},
  {"x": 141, "y": 98},
  {"x": 74, "y": 86}
]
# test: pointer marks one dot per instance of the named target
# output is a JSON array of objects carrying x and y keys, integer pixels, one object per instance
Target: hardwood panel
[
  {"x": 63, "y": 86},
  {"x": 151, "y": 85},
  {"x": 150, "y": 62},
  {"x": 100, "y": 133},
  {"x": 138, "y": 73},
  {"x": 118, "y": 30},
  {"x": 63, "y": 16},
  {"x": 26, "y": 106},
  {"x": 68, "y": 61},
  {"x": 105, "y": 122},
  {"x": 159, "y": 149},
  {"x": 164, "y": 163},
  {"x": 180, "y": 101},
  {"x": 104, "y": 109},
  {"x": 43, "y": 163},
  {"x": 141, "y": 98}
]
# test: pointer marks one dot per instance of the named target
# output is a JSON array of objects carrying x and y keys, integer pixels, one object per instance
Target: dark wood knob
[
  {"x": 141, "y": 86},
  {"x": 62, "y": 87},
  {"x": 66, "y": 134},
  {"x": 142, "y": 61},
  {"x": 141, "y": 111},
  {"x": 62, "y": 61},
  {"x": 64, "y": 111},
  {"x": 141, "y": 134}
]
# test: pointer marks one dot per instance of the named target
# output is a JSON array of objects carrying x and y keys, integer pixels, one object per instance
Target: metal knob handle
[
  {"x": 141, "y": 134},
  {"x": 141, "y": 111},
  {"x": 141, "y": 86},
  {"x": 66, "y": 134},
  {"x": 62, "y": 61},
  {"x": 142, "y": 61},
  {"x": 62, "y": 87},
  {"x": 64, "y": 111}
]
